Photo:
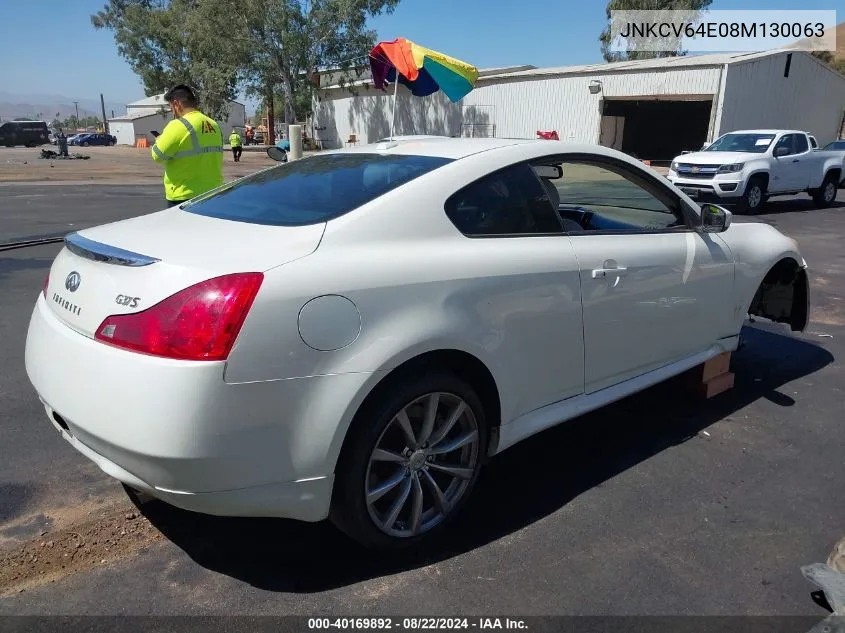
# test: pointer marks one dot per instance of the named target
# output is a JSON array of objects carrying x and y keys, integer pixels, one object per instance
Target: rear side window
[
  {"x": 801, "y": 144},
  {"x": 312, "y": 190},
  {"x": 511, "y": 202}
]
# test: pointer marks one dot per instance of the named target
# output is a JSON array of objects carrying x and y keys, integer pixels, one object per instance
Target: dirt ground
[
  {"x": 74, "y": 540},
  {"x": 120, "y": 164}
]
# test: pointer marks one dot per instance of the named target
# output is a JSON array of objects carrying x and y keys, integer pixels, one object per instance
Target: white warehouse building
[
  {"x": 153, "y": 113},
  {"x": 653, "y": 109}
]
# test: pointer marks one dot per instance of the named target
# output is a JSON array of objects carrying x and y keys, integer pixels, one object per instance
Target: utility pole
[
  {"x": 76, "y": 103},
  {"x": 103, "y": 106}
]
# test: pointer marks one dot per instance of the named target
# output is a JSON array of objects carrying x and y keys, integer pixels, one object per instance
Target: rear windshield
[{"x": 312, "y": 190}]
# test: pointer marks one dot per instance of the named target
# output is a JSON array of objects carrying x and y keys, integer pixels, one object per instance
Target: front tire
[
  {"x": 825, "y": 195},
  {"x": 410, "y": 462},
  {"x": 754, "y": 197}
]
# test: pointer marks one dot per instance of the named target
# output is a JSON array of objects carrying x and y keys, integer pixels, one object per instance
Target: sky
[{"x": 66, "y": 56}]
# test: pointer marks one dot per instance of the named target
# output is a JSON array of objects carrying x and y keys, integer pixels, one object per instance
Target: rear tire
[
  {"x": 391, "y": 489},
  {"x": 825, "y": 195},
  {"x": 754, "y": 197}
]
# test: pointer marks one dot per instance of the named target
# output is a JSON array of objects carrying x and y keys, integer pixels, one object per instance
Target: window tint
[
  {"x": 801, "y": 144},
  {"x": 312, "y": 190},
  {"x": 605, "y": 196},
  {"x": 785, "y": 141},
  {"x": 508, "y": 202},
  {"x": 755, "y": 143}
]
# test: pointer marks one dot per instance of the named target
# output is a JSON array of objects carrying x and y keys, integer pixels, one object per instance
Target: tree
[
  {"x": 829, "y": 58},
  {"x": 697, "y": 6},
  {"x": 166, "y": 42},
  {"x": 287, "y": 41}
]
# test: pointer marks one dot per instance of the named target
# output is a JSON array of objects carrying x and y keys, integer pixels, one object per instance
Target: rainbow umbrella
[{"x": 422, "y": 70}]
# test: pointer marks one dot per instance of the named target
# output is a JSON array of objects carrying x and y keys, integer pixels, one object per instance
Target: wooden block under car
[
  {"x": 715, "y": 386},
  {"x": 714, "y": 367}
]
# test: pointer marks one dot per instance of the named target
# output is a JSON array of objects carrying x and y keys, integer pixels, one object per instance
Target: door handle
[{"x": 599, "y": 273}]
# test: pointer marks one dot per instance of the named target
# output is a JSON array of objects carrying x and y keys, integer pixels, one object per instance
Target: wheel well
[
  {"x": 782, "y": 295},
  {"x": 836, "y": 173},
  {"x": 760, "y": 175},
  {"x": 466, "y": 366}
]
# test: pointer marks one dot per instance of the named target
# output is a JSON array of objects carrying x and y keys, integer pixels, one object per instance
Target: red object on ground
[{"x": 549, "y": 136}]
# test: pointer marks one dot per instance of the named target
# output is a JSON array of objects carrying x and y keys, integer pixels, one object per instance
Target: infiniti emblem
[{"x": 72, "y": 281}]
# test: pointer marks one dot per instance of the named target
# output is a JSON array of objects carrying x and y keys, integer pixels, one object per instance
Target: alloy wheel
[
  {"x": 829, "y": 192},
  {"x": 755, "y": 195},
  {"x": 422, "y": 464}
]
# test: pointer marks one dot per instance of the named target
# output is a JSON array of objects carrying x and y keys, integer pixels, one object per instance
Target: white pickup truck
[{"x": 747, "y": 167}]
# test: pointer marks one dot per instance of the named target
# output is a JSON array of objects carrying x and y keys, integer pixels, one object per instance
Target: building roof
[
  {"x": 659, "y": 63},
  {"x": 134, "y": 116},
  {"x": 156, "y": 101}
]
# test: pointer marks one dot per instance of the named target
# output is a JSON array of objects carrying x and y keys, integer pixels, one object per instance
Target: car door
[
  {"x": 787, "y": 172},
  {"x": 654, "y": 290},
  {"x": 526, "y": 303},
  {"x": 802, "y": 162}
]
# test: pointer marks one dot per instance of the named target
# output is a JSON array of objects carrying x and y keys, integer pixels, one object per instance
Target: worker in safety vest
[
  {"x": 190, "y": 147},
  {"x": 235, "y": 143}
]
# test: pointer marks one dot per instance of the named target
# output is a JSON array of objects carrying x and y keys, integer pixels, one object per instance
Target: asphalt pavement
[
  {"x": 28, "y": 210},
  {"x": 659, "y": 504}
]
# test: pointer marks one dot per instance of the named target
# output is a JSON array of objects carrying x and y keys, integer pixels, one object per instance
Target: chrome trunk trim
[{"x": 99, "y": 252}]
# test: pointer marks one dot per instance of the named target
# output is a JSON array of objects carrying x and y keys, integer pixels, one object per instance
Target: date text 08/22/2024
[{"x": 416, "y": 623}]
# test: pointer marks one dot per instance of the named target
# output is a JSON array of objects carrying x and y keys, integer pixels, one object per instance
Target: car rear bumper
[{"x": 177, "y": 431}]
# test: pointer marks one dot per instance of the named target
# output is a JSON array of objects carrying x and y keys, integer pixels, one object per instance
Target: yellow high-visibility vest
[
  {"x": 191, "y": 149},
  {"x": 235, "y": 139}
]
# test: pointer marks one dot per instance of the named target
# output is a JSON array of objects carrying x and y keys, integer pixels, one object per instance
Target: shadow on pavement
[
  {"x": 778, "y": 206},
  {"x": 530, "y": 481}
]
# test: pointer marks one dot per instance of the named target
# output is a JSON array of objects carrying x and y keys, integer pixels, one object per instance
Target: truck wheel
[
  {"x": 826, "y": 194},
  {"x": 754, "y": 197}
]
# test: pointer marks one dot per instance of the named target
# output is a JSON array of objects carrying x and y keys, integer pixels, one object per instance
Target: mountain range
[{"x": 48, "y": 105}]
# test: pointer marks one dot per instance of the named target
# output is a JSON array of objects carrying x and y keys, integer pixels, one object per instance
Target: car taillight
[{"x": 198, "y": 323}]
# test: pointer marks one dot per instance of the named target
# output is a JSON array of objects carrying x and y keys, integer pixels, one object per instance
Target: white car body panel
[
  {"x": 345, "y": 302},
  {"x": 631, "y": 316}
]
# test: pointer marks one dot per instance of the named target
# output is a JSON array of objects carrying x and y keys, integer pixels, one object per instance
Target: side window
[
  {"x": 508, "y": 202},
  {"x": 785, "y": 141},
  {"x": 800, "y": 144},
  {"x": 605, "y": 196}
]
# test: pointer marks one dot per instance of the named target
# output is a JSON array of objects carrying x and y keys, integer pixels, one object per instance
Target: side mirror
[
  {"x": 279, "y": 155},
  {"x": 781, "y": 151},
  {"x": 715, "y": 219}
]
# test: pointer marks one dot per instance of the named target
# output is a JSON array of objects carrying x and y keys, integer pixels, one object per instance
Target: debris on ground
[
  {"x": 51, "y": 155},
  {"x": 104, "y": 537}
]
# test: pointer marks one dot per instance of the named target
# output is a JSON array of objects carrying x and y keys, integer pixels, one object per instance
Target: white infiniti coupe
[{"x": 351, "y": 335}]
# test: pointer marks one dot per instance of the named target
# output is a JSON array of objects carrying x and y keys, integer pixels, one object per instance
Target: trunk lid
[{"x": 131, "y": 265}]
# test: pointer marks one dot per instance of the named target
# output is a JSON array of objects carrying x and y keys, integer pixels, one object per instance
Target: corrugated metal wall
[
  {"x": 757, "y": 95},
  {"x": 517, "y": 106}
]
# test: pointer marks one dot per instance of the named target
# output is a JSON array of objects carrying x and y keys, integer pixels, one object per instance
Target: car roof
[
  {"x": 459, "y": 148},
  {"x": 441, "y": 147},
  {"x": 766, "y": 132}
]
